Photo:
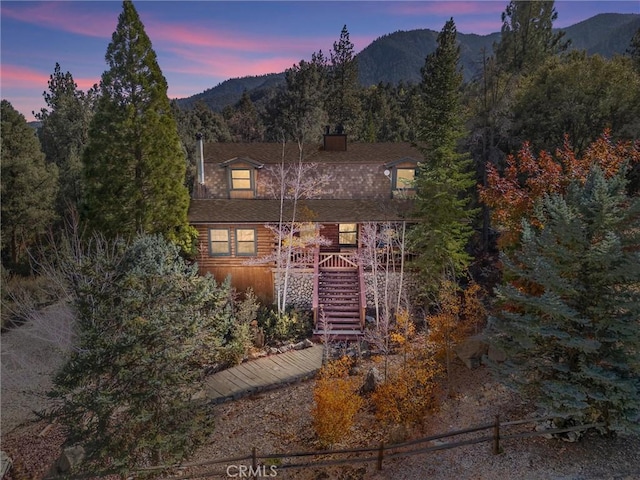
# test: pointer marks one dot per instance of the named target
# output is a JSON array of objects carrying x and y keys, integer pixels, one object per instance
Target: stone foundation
[{"x": 300, "y": 287}]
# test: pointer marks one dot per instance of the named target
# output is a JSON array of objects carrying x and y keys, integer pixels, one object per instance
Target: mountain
[
  {"x": 606, "y": 34},
  {"x": 399, "y": 56},
  {"x": 230, "y": 91}
]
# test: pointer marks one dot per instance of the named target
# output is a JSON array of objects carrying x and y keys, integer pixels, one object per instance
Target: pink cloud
[
  {"x": 221, "y": 65},
  {"x": 201, "y": 37},
  {"x": 15, "y": 76},
  {"x": 58, "y": 16},
  {"x": 18, "y": 77}
]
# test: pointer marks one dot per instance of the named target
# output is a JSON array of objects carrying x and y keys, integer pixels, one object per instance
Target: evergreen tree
[
  {"x": 343, "y": 103},
  {"x": 147, "y": 323},
  {"x": 29, "y": 186},
  {"x": 634, "y": 50},
  {"x": 299, "y": 110},
  {"x": 443, "y": 180},
  {"x": 490, "y": 99},
  {"x": 577, "y": 95},
  {"x": 527, "y": 36},
  {"x": 64, "y": 134},
  {"x": 134, "y": 163},
  {"x": 569, "y": 319},
  {"x": 198, "y": 120},
  {"x": 244, "y": 120}
]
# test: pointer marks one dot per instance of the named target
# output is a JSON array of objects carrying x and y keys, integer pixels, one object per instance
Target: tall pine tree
[
  {"x": 569, "y": 319},
  {"x": 298, "y": 111},
  {"x": 135, "y": 166},
  {"x": 527, "y": 36},
  {"x": 343, "y": 102},
  {"x": 443, "y": 180},
  {"x": 64, "y": 134},
  {"x": 29, "y": 186}
]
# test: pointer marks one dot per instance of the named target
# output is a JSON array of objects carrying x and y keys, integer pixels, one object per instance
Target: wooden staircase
[{"x": 339, "y": 304}]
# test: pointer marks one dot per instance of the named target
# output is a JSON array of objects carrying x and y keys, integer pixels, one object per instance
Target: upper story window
[
  {"x": 241, "y": 174},
  {"x": 404, "y": 178},
  {"x": 402, "y": 173},
  {"x": 241, "y": 179}
]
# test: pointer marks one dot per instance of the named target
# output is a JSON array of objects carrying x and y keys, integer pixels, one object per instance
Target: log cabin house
[{"x": 237, "y": 197}]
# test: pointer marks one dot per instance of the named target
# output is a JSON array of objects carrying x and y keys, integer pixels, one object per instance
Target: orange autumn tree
[
  {"x": 336, "y": 401},
  {"x": 527, "y": 179}
]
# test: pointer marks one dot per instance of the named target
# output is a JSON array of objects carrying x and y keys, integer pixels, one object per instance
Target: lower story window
[
  {"x": 246, "y": 241},
  {"x": 348, "y": 234},
  {"x": 219, "y": 241}
]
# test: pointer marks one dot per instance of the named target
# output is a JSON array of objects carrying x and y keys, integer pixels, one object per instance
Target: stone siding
[{"x": 299, "y": 289}]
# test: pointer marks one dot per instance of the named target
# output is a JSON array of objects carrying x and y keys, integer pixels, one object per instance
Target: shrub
[
  {"x": 336, "y": 402},
  {"x": 291, "y": 325},
  {"x": 145, "y": 319},
  {"x": 411, "y": 391}
]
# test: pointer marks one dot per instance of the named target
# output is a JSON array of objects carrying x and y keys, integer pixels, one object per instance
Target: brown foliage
[
  {"x": 336, "y": 401},
  {"x": 457, "y": 316},
  {"x": 512, "y": 195},
  {"x": 410, "y": 391}
]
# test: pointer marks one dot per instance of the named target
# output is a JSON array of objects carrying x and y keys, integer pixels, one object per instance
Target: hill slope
[{"x": 399, "y": 56}]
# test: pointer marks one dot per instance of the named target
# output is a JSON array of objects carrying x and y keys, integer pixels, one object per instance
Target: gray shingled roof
[
  {"x": 376, "y": 153},
  {"x": 262, "y": 211}
]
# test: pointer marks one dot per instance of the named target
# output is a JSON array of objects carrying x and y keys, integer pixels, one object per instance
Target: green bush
[{"x": 292, "y": 325}]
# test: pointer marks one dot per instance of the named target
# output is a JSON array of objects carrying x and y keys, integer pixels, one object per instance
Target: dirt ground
[{"x": 279, "y": 421}]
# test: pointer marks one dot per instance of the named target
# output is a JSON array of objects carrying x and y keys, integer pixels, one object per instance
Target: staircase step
[
  {"x": 338, "y": 289},
  {"x": 342, "y": 317},
  {"x": 353, "y": 308},
  {"x": 339, "y": 302}
]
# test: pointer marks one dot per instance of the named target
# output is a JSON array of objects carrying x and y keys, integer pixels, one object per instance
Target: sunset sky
[{"x": 200, "y": 44}]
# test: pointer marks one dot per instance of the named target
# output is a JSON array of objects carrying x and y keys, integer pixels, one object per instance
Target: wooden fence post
[
  {"x": 254, "y": 460},
  {"x": 496, "y": 436},
  {"x": 380, "y": 455}
]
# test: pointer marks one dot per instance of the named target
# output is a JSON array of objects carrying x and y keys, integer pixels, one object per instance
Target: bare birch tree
[{"x": 295, "y": 233}]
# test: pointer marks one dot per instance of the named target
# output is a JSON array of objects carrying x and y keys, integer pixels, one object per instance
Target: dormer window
[
  {"x": 241, "y": 179},
  {"x": 241, "y": 176},
  {"x": 403, "y": 178},
  {"x": 402, "y": 173}
]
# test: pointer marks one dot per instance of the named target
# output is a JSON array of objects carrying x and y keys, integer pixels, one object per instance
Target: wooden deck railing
[
  {"x": 338, "y": 260},
  {"x": 363, "y": 296},
  {"x": 316, "y": 278}
]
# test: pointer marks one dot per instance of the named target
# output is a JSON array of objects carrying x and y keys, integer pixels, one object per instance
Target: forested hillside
[{"x": 398, "y": 57}]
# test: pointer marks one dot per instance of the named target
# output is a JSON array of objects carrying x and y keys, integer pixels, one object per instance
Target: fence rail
[
  {"x": 374, "y": 454},
  {"x": 337, "y": 260}
]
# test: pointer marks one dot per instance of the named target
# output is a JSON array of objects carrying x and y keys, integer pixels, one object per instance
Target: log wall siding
[
  {"x": 243, "y": 275},
  {"x": 260, "y": 279},
  {"x": 264, "y": 244}
]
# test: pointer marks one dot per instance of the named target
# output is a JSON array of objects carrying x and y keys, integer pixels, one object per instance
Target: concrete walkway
[{"x": 263, "y": 374}]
